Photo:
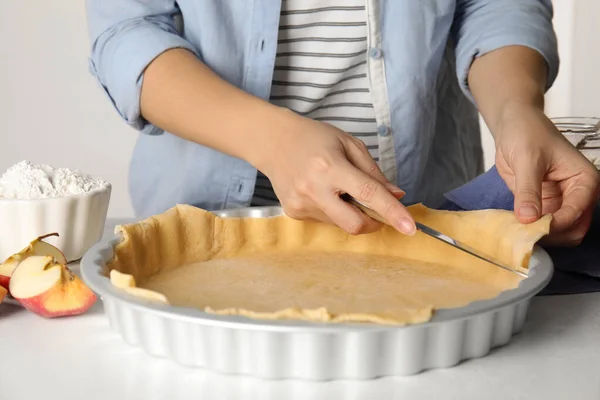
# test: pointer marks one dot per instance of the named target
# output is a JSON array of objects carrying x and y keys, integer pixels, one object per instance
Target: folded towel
[{"x": 577, "y": 270}]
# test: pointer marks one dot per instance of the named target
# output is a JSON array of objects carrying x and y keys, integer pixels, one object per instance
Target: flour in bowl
[{"x": 27, "y": 181}]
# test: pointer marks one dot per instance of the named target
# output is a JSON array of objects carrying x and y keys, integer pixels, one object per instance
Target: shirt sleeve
[
  {"x": 481, "y": 26},
  {"x": 126, "y": 35}
]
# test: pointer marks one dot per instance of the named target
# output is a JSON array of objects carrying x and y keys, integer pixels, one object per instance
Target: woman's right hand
[
  {"x": 309, "y": 163},
  {"x": 312, "y": 163}
]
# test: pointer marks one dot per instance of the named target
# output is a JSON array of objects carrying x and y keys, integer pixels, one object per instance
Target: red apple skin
[
  {"x": 68, "y": 296},
  {"x": 6, "y": 270},
  {"x": 3, "y": 292},
  {"x": 4, "y": 281},
  {"x": 58, "y": 301}
]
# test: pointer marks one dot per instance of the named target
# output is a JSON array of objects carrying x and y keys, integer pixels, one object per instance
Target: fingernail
[
  {"x": 406, "y": 226},
  {"x": 528, "y": 211},
  {"x": 395, "y": 189},
  {"x": 399, "y": 195}
]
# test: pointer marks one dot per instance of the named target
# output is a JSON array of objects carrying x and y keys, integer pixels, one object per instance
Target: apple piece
[
  {"x": 36, "y": 247},
  {"x": 3, "y": 292},
  {"x": 49, "y": 289},
  {"x": 6, "y": 270},
  {"x": 41, "y": 248}
]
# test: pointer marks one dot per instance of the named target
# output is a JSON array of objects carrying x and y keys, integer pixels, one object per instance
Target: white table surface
[{"x": 556, "y": 356}]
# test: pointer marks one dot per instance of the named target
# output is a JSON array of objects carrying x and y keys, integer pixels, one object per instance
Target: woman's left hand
[{"x": 546, "y": 174}]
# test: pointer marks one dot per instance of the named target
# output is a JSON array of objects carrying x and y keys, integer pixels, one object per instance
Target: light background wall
[{"x": 51, "y": 110}]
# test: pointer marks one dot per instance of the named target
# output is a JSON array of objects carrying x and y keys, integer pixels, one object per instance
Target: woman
[{"x": 324, "y": 97}]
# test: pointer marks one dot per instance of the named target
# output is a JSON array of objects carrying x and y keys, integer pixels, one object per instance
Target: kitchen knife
[{"x": 437, "y": 235}]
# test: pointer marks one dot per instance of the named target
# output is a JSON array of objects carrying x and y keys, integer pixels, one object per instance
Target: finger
[
  {"x": 573, "y": 236},
  {"x": 360, "y": 157},
  {"x": 578, "y": 197},
  {"x": 365, "y": 225},
  {"x": 529, "y": 174},
  {"x": 348, "y": 217},
  {"x": 551, "y": 198},
  {"x": 325, "y": 206},
  {"x": 374, "y": 195},
  {"x": 317, "y": 215}
]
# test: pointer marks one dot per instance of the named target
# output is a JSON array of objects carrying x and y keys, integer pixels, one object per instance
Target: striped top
[{"x": 321, "y": 71}]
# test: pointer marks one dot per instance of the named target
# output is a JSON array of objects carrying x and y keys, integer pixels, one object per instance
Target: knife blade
[{"x": 436, "y": 235}]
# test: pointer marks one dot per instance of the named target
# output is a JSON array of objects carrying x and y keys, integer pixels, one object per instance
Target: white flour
[{"x": 26, "y": 181}]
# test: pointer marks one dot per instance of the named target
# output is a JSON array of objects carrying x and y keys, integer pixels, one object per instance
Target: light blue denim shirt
[{"x": 419, "y": 58}]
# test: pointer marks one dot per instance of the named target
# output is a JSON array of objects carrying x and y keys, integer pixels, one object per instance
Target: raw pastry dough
[{"x": 278, "y": 268}]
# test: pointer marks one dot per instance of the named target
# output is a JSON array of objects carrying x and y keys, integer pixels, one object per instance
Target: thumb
[{"x": 529, "y": 174}]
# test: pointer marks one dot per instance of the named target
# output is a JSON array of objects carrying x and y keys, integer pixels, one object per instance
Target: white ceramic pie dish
[{"x": 305, "y": 350}]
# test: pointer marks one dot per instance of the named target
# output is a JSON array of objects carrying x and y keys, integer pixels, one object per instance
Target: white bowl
[{"x": 78, "y": 219}]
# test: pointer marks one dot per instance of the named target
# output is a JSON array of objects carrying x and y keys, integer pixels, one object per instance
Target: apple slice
[
  {"x": 3, "y": 292},
  {"x": 6, "y": 270},
  {"x": 36, "y": 247},
  {"x": 49, "y": 289}
]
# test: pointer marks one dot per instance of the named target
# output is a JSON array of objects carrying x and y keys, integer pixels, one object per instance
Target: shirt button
[
  {"x": 375, "y": 53},
  {"x": 383, "y": 130}
]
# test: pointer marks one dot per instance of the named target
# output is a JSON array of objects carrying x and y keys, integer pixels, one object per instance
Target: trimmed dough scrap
[{"x": 281, "y": 268}]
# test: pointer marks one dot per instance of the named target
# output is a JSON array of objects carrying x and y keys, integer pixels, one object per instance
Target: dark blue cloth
[{"x": 577, "y": 270}]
